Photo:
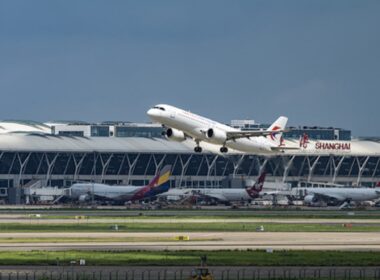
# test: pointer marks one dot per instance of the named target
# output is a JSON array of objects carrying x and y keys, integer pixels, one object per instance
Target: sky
[{"x": 317, "y": 62}]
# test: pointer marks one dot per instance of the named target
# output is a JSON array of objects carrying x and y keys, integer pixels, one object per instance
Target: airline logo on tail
[
  {"x": 276, "y": 130},
  {"x": 159, "y": 184},
  {"x": 257, "y": 187},
  {"x": 164, "y": 177},
  {"x": 273, "y": 135}
]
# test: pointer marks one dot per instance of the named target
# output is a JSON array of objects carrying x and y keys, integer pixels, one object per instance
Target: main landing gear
[
  {"x": 198, "y": 149},
  {"x": 223, "y": 149}
]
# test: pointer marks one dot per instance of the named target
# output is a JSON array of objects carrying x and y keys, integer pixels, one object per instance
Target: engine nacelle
[
  {"x": 175, "y": 135},
  {"x": 216, "y": 136},
  {"x": 310, "y": 199},
  {"x": 84, "y": 197}
]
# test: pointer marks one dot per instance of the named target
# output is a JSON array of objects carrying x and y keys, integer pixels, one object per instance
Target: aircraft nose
[{"x": 150, "y": 112}]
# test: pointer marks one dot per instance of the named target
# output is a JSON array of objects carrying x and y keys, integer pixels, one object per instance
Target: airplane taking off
[
  {"x": 182, "y": 124},
  {"x": 343, "y": 195},
  {"x": 85, "y": 191}
]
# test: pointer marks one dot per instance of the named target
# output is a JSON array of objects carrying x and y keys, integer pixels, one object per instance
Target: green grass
[
  {"x": 103, "y": 240},
  {"x": 82, "y": 226},
  {"x": 221, "y": 217},
  {"x": 191, "y": 258},
  {"x": 67, "y": 213}
]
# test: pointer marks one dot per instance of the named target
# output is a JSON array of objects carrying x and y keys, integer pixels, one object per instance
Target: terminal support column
[
  {"x": 105, "y": 165},
  {"x": 50, "y": 166},
  {"x": 23, "y": 164},
  {"x": 361, "y": 169},
  {"x": 184, "y": 168},
  {"x": 78, "y": 165},
  {"x": 337, "y": 168},
  {"x": 159, "y": 165},
  {"x": 237, "y": 164},
  {"x": 131, "y": 166},
  {"x": 287, "y": 167},
  {"x": 312, "y": 167}
]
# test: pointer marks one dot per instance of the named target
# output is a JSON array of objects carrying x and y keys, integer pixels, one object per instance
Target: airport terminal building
[{"x": 33, "y": 155}]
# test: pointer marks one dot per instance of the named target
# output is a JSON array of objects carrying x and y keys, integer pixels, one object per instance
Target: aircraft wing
[
  {"x": 232, "y": 135},
  {"x": 262, "y": 193},
  {"x": 326, "y": 196},
  {"x": 219, "y": 197}
]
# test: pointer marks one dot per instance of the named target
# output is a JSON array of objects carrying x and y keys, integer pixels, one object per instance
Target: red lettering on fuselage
[{"x": 333, "y": 146}]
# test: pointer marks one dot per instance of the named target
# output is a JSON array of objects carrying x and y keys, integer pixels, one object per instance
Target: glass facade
[
  {"x": 314, "y": 132},
  {"x": 319, "y": 133},
  {"x": 131, "y": 131},
  {"x": 100, "y": 131},
  {"x": 188, "y": 169},
  {"x": 151, "y": 130},
  {"x": 71, "y": 133}
]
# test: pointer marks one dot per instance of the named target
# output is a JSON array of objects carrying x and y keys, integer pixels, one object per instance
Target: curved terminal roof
[
  {"x": 55, "y": 143},
  {"x": 37, "y": 142},
  {"x": 11, "y": 126}
]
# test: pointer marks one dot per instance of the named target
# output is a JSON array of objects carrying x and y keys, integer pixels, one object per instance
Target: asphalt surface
[
  {"x": 203, "y": 211},
  {"x": 352, "y": 241},
  {"x": 24, "y": 219}
]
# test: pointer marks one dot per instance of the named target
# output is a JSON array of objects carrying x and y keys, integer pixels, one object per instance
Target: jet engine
[
  {"x": 84, "y": 197},
  {"x": 216, "y": 136},
  {"x": 310, "y": 199},
  {"x": 175, "y": 135}
]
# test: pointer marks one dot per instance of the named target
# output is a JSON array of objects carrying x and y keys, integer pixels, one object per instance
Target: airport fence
[{"x": 188, "y": 273}]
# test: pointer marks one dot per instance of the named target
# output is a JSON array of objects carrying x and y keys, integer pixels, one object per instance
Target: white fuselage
[
  {"x": 343, "y": 194},
  {"x": 224, "y": 195},
  {"x": 227, "y": 195},
  {"x": 196, "y": 126},
  {"x": 104, "y": 191}
]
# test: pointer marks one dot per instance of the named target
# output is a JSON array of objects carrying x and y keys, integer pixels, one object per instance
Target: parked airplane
[
  {"x": 341, "y": 195},
  {"x": 222, "y": 195},
  {"x": 85, "y": 191},
  {"x": 182, "y": 124}
]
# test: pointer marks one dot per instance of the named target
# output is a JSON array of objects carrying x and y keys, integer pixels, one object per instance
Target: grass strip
[
  {"x": 221, "y": 217},
  {"x": 191, "y": 258},
  {"x": 183, "y": 213},
  {"x": 82, "y": 226},
  {"x": 103, "y": 240}
]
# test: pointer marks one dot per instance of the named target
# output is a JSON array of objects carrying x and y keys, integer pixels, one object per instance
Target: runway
[
  {"x": 214, "y": 241},
  {"x": 20, "y": 219}
]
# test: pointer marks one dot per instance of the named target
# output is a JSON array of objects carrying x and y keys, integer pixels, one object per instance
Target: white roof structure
[
  {"x": 15, "y": 126},
  {"x": 54, "y": 143},
  {"x": 34, "y": 136},
  {"x": 37, "y": 142}
]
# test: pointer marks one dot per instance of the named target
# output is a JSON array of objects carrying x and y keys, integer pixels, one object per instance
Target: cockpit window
[{"x": 159, "y": 108}]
